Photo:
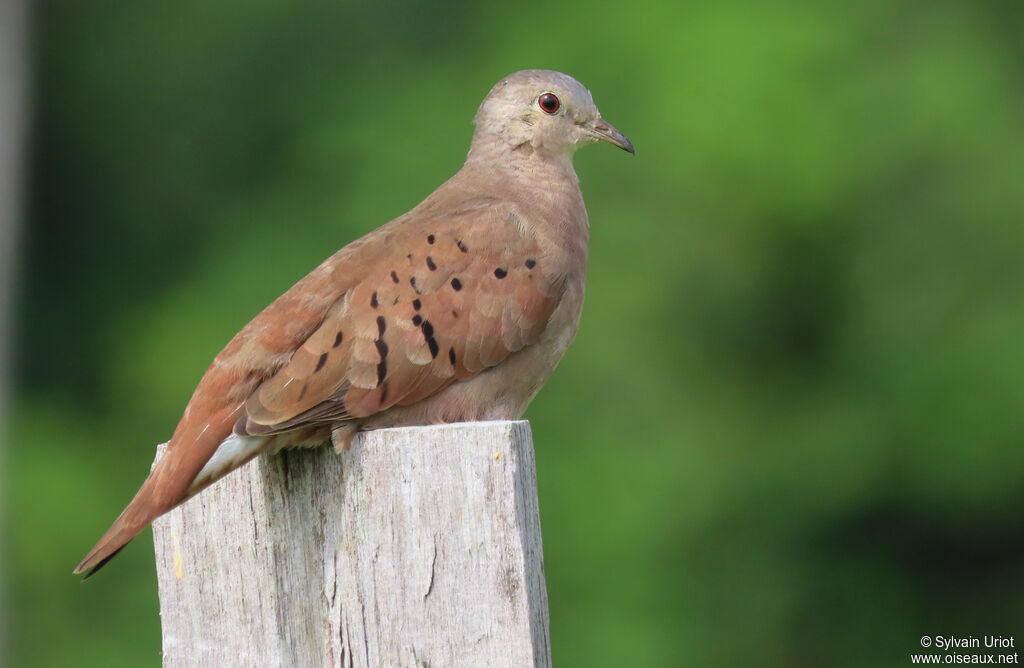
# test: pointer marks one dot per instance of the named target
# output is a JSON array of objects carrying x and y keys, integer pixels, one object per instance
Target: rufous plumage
[{"x": 458, "y": 310}]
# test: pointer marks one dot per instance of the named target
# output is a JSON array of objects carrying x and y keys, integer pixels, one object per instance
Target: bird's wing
[{"x": 432, "y": 301}]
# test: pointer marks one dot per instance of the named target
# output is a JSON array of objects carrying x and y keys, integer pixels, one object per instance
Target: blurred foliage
[{"x": 789, "y": 431}]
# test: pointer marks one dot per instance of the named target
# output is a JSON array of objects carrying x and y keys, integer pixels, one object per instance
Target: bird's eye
[{"x": 549, "y": 102}]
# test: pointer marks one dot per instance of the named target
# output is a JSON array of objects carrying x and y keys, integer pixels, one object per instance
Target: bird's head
[{"x": 541, "y": 111}]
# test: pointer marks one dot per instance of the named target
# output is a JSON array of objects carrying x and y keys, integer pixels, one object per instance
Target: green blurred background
[{"x": 789, "y": 432}]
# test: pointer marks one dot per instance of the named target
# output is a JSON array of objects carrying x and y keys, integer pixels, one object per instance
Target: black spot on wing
[
  {"x": 382, "y": 366},
  {"x": 428, "y": 335}
]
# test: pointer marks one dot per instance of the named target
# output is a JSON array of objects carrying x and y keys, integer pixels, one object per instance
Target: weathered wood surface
[{"x": 426, "y": 552}]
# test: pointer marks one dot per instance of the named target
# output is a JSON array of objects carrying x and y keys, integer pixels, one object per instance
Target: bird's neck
[
  {"x": 544, "y": 188},
  {"x": 523, "y": 163}
]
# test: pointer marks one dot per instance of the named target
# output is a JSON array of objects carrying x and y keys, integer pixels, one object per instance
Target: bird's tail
[
  {"x": 172, "y": 481},
  {"x": 136, "y": 517}
]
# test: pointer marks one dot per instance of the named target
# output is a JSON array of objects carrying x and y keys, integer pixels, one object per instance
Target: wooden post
[{"x": 418, "y": 546}]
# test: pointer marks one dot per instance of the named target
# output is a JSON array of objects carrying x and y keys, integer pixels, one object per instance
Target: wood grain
[{"x": 426, "y": 551}]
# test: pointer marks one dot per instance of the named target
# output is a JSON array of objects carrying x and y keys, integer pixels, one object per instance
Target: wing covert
[{"x": 440, "y": 301}]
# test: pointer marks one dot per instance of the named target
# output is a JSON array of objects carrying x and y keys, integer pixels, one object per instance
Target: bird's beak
[{"x": 605, "y": 131}]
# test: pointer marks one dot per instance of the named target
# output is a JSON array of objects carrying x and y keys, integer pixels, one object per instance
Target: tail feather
[
  {"x": 171, "y": 482},
  {"x": 136, "y": 517},
  {"x": 88, "y": 565}
]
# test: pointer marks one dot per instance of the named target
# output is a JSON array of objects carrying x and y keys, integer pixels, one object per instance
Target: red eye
[{"x": 549, "y": 103}]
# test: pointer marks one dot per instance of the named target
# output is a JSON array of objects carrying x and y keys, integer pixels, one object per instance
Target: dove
[{"x": 458, "y": 310}]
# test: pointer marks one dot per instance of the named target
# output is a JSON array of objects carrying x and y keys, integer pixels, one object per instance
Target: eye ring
[{"x": 549, "y": 103}]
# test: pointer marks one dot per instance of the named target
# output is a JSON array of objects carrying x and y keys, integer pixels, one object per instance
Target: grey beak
[{"x": 605, "y": 131}]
